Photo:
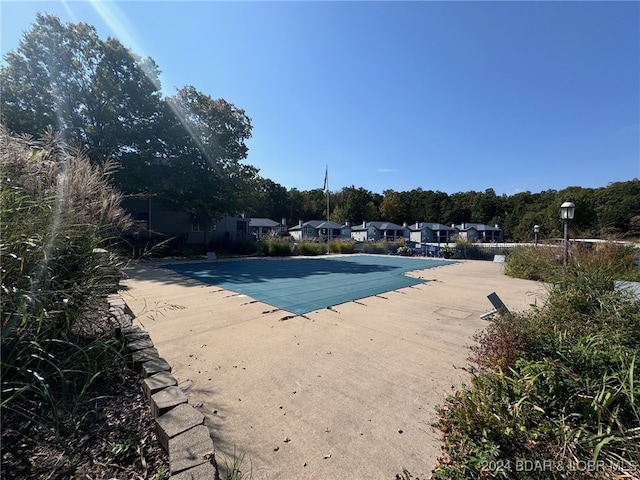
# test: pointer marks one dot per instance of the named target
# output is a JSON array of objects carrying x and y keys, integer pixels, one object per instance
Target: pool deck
[{"x": 342, "y": 392}]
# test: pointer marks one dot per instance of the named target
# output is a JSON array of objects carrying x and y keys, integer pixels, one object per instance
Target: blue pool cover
[{"x": 301, "y": 285}]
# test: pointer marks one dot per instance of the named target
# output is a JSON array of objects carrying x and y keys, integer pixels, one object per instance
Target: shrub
[
  {"x": 342, "y": 246},
  {"x": 375, "y": 247},
  {"x": 311, "y": 248},
  {"x": 557, "y": 384},
  {"x": 544, "y": 263},
  {"x": 59, "y": 214},
  {"x": 383, "y": 246},
  {"x": 244, "y": 247},
  {"x": 275, "y": 247},
  {"x": 612, "y": 260},
  {"x": 446, "y": 251},
  {"x": 540, "y": 263}
]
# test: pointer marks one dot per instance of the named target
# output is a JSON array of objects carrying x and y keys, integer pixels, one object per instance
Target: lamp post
[
  {"x": 536, "y": 231},
  {"x": 567, "y": 211}
]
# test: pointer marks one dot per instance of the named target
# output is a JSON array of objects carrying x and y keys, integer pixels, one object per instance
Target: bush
[
  {"x": 311, "y": 248},
  {"x": 275, "y": 247},
  {"x": 244, "y": 247},
  {"x": 342, "y": 246},
  {"x": 59, "y": 215},
  {"x": 540, "y": 263},
  {"x": 544, "y": 263},
  {"x": 611, "y": 259},
  {"x": 557, "y": 384},
  {"x": 383, "y": 246}
]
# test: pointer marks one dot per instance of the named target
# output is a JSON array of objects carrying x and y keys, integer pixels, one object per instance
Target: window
[{"x": 197, "y": 227}]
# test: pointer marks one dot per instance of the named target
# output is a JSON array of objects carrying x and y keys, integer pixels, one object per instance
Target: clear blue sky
[{"x": 449, "y": 96}]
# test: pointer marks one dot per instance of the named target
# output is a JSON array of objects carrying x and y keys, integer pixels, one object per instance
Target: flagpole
[{"x": 326, "y": 188}]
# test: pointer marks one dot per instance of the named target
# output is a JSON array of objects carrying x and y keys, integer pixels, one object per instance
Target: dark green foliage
[
  {"x": 185, "y": 149},
  {"x": 243, "y": 247},
  {"x": 96, "y": 93},
  {"x": 202, "y": 173}
]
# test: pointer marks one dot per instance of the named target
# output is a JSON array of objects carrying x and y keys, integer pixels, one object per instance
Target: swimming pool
[{"x": 302, "y": 284}]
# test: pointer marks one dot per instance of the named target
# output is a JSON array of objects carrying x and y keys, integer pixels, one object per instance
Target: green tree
[
  {"x": 202, "y": 169},
  {"x": 616, "y": 206},
  {"x": 271, "y": 200},
  {"x": 485, "y": 207},
  {"x": 433, "y": 204},
  {"x": 371, "y": 212},
  {"x": 585, "y": 223},
  {"x": 314, "y": 205},
  {"x": 393, "y": 207},
  {"x": 186, "y": 149},
  {"x": 355, "y": 201},
  {"x": 338, "y": 215},
  {"x": 96, "y": 94},
  {"x": 296, "y": 206}
]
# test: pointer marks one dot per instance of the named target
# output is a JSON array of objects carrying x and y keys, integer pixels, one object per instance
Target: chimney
[
  {"x": 364, "y": 224},
  {"x": 417, "y": 225},
  {"x": 348, "y": 223},
  {"x": 453, "y": 225},
  {"x": 404, "y": 224},
  {"x": 300, "y": 223},
  {"x": 496, "y": 225},
  {"x": 283, "y": 222}
]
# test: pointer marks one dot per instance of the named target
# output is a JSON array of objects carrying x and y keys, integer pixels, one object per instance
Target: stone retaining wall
[{"x": 179, "y": 427}]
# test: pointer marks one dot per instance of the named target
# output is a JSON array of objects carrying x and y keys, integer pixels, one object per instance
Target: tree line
[{"x": 189, "y": 149}]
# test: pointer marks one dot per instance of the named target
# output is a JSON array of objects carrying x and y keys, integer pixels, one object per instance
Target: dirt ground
[
  {"x": 115, "y": 439},
  {"x": 343, "y": 392}
]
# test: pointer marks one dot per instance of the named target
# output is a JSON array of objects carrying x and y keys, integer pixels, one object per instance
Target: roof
[
  {"x": 385, "y": 226},
  {"x": 478, "y": 226},
  {"x": 318, "y": 224},
  {"x": 263, "y": 222},
  {"x": 379, "y": 226},
  {"x": 431, "y": 226}
]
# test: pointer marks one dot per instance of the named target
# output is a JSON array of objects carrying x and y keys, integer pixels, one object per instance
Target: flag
[{"x": 326, "y": 178}]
